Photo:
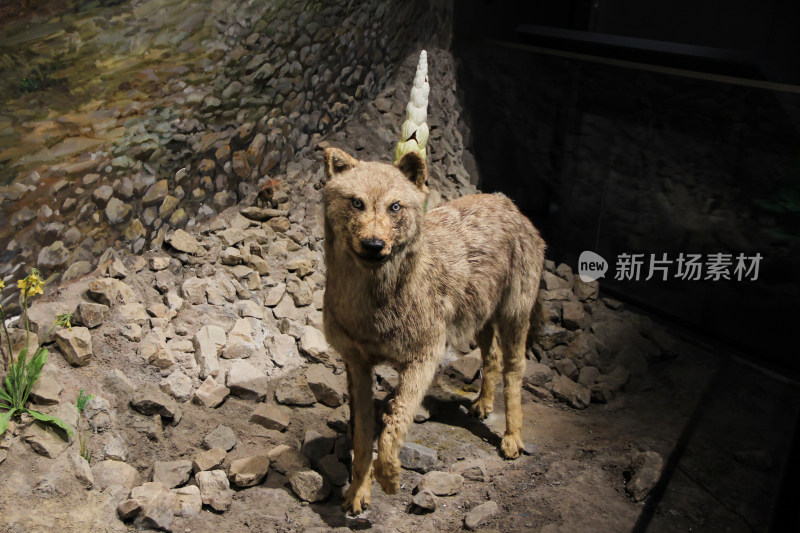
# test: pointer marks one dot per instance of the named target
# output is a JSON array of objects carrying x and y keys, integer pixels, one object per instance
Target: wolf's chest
[{"x": 387, "y": 332}]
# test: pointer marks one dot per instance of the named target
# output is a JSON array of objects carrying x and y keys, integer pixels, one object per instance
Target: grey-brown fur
[{"x": 402, "y": 284}]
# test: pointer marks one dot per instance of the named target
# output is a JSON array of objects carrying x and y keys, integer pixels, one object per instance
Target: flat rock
[
  {"x": 231, "y": 256},
  {"x": 128, "y": 509},
  {"x": 231, "y": 236},
  {"x": 108, "y": 473},
  {"x": 247, "y": 381},
  {"x": 76, "y": 270},
  {"x": 135, "y": 313},
  {"x": 156, "y": 193},
  {"x": 249, "y": 471},
  {"x": 282, "y": 349},
  {"x": 90, "y": 314},
  {"x": 178, "y": 385},
  {"x": 194, "y": 290},
  {"x": 271, "y": 416},
  {"x": 250, "y": 309},
  {"x": 83, "y": 472},
  {"x": 473, "y": 470},
  {"x": 275, "y": 295},
  {"x": 240, "y": 343},
  {"x": 327, "y": 387},
  {"x": 441, "y": 483},
  {"x": 150, "y": 400},
  {"x": 53, "y": 256},
  {"x": 132, "y": 332},
  {"x": 552, "y": 335},
  {"x": 466, "y": 368},
  {"x": 313, "y": 344},
  {"x": 158, "y": 263},
  {"x": 153, "y": 348},
  {"x": 46, "y": 390},
  {"x": 309, "y": 485},
  {"x": 645, "y": 470},
  {"x": 75, "y": 344},
  {"x": 190, "y": 500},
  {"x": 339, "y": 418},
  {"x": 208, "y": 460},
  {"x": 301, "y": 265},
  {"x": 159, "y": 505},
  {"x": 295, "y": 392},
  {"x": 286, "y": 460},
  {"x": 45, "y": 440},
  {"x": 418, "y": 457},
  {"x": 116, "y": 449},
  {"x": 110, "y": 292},
  {"x": 215, "y": 489},
  {"x": 536, "y": 374},
  {"x": 208, "y": 344},
  {"x": 481, "y": 514},
  {"x": 210, "y": 393},
  {"x": 286, "y": 308},
  {"x": 118, "y": 212},
  {"x": 425, "y": 500},
  {"x": 183, "y": 242},
  {"x": 172, "y": 473},
  {"x": 570, "y": 392},
  {"x": 222, "y": 437},
  {"x": 261, "y": 214}
]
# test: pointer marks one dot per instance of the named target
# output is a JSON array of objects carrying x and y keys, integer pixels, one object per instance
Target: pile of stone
[
  {"x": 586, "y": 348},
  {"x": 275, "y": 80}
]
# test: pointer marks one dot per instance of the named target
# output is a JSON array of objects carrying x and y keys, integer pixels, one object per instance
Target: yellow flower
[
  {"x": 32, "y": 284},
  {"x": 2, "y": 284}
]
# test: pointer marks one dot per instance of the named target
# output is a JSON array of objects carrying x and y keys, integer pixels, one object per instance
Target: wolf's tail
[{"x": 414, "y": 132}]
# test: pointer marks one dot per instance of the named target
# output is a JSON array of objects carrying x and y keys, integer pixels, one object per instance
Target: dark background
[
  {"x": 630, "y": 126},
  {"x": 623, "y": 126}
]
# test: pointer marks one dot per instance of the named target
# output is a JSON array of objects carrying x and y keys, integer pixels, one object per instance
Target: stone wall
[{"x": 237, "y": 92}]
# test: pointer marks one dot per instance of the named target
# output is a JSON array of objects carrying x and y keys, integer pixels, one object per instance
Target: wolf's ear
[
  {"x": 413, "y": 166},
  {"x": 338, "y": 161}
]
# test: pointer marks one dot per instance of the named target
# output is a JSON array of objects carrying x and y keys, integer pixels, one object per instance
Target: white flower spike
[{"x": 414, "y": 132}]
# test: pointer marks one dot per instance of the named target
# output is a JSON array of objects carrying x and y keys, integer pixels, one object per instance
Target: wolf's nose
[{"x": 373, "y": 246}]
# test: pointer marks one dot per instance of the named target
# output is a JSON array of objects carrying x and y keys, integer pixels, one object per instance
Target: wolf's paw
[
  {"x": 481, "y": 408},
  {"x": 388, "y": 475},
  {"x": 511, "y": 446},
  {"x": 356, "y": 498}
]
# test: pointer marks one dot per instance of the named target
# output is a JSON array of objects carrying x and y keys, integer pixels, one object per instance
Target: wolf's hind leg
[
  {"x": 512, "y": 340},
  {"x": 490, "y": 371},
  {"x": 362, "y": 417},
  {"x": 415, "y": 379}
]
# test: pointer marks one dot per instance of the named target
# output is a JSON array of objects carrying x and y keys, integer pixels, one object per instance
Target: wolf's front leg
[
  {"x": 415, "y": 379},
  {"x": 362, "y": 417}
]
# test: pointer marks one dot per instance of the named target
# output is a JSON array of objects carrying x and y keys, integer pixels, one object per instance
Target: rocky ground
[{"x": 217, "y": 403}]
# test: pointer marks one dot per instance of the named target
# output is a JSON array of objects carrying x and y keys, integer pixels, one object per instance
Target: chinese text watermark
[{"x": 686, "y": 267}]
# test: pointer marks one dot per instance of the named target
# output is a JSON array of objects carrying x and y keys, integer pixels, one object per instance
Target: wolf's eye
[
  {"x": 358, "y": 204},
  {"x": 395, "y": 206}
]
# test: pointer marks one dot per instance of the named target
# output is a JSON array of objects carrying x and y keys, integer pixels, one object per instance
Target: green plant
[
  {"x": 82, "y": 400},
  {"x": 22, "y": 373},
  {"x": 80, "y": 403}
]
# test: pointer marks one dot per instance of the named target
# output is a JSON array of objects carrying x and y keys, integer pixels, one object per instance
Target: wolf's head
[{"x": 373, "y": 211}]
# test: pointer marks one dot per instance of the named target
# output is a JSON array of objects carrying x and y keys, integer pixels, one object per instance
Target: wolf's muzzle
[{"x": 372, "y": 247}]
